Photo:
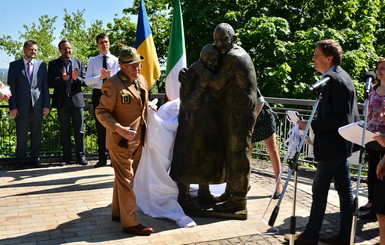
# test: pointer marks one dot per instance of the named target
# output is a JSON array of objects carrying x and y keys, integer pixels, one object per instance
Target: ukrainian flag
[{"x": 145, "y": 46}]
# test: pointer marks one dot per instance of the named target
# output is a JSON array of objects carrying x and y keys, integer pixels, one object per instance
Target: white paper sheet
[{"x": 353, "y": 133}]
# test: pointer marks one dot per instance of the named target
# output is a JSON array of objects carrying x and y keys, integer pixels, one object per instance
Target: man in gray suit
[{"x": 27, "y": 78}]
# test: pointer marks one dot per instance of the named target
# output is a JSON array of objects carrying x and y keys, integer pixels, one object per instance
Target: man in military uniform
[{"x": 122, "y": 111}]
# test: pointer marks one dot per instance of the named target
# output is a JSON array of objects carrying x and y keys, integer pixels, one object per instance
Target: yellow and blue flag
[{"x": 145, "y": 46}]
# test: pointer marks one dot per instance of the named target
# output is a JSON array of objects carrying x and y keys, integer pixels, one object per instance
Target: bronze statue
[
  {"x": 235, "y": 88},
  {"x": 198, "y": 149}
]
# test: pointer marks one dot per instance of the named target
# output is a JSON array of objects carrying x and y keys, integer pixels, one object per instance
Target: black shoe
[
  {"x": 369, "y": 215},
  {"x": 301, "y": 239},
  {"x": 277, "y": 195},
  {"x": 101, "y": 163},
  {"x": 364, "y": 208},
  {"x": 82, "y": 161},
  {"x": 335, "y": 240},
  {"x": 22, "y": 164},
  {"x": 35, "y": 162}
]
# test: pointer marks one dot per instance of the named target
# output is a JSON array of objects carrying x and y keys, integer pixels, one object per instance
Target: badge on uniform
[{"x": 125, "y": 99}]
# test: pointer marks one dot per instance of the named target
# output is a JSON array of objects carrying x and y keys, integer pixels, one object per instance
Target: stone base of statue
[
  {"x": 193, "y": 208},
  {"x": 211, "y": 213}
]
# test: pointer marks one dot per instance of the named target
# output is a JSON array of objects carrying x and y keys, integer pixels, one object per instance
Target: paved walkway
[{"x": 71, "y": 205}]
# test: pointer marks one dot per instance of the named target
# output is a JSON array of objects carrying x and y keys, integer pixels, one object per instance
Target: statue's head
[
  {"x": 210, "y": 57},
  {"x": 224, "y": 37}
]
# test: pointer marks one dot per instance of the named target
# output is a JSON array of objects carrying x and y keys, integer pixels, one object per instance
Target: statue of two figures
[{"x": 216, "y": 119}]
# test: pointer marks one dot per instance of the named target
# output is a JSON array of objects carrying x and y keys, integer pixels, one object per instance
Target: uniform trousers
[{"x": 126, "y": 162}]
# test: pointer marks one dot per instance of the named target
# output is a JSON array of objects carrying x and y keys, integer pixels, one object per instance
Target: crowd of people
[
  {"x": 221, "y": 89},
  {"x": 29, "y": 81}
]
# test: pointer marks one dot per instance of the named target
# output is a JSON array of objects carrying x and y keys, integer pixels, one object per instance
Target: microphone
[
  {"x": 316, "y": 87},
  {"x": 369, "y": 77}
]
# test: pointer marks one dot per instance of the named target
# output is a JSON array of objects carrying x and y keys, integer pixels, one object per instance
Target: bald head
[{"x": 224, "y": 37}]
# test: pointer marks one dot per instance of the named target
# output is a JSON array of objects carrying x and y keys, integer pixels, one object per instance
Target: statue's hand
[
  {"x": 183, "y": 75},
  {"x": 198, "y": 67}
]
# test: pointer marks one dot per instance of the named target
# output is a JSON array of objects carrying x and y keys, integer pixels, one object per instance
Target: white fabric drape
[{"x": 156, "y": 193}]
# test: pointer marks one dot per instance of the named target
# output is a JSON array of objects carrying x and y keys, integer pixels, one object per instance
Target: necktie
[
  {"x": 68, "y": 68},
  {"x": 137, "y": 86},
  {"x": 104, "y": 65},
  {"x": 29, "y": 71}
]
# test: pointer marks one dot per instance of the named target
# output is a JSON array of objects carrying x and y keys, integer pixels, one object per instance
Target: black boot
[
  {"x": 185, "y": 200},
  {"x": 227, "y": 194},
  {"x": 232, "y": 205},
  {"x": 205, "y": 197}
]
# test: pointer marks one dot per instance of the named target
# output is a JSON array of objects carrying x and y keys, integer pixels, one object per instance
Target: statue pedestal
[
  {"x": 194, "y": 209},
  {"x": 210, "y": 213}
]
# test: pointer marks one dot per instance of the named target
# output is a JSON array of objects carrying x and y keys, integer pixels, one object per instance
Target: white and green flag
[{"x": 176, "y": 59}]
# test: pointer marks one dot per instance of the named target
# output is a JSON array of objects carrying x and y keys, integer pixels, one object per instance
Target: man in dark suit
[
  {"x": 27, "y": 78},
  {"x": 66, "y": 75},
  {"x": 337, "y": 108}
]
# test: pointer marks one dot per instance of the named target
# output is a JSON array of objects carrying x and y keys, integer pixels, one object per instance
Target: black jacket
[
  {"x": 338, "y": 107},
  {"x": 56, "y": 81}
]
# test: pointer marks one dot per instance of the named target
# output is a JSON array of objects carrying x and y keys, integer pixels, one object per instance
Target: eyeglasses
[
  {"x": 318, "y": 55},
  {"x": 134, "y": 67}
]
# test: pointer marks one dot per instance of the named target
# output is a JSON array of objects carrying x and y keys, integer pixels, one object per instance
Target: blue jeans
[{"x": 326, "y": 171}]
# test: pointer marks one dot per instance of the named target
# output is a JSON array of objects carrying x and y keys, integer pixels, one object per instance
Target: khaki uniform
[{"x": 122, "y": 103}]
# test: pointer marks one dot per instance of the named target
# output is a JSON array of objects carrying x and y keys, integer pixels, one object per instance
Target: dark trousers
[
  {"x": 326, "y": 171},
  {"x": 100, "y": 129},
  {"x": 373, "y": 158},
  {"x": 27, "y": 120},
  {"x": 66, "y": 114}
]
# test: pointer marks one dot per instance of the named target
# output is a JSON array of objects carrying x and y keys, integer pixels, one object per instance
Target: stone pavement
[{"x": 71, "y": 205}]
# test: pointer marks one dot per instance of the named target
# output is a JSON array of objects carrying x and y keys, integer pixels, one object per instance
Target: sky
[{"x": 16, "y": 13}]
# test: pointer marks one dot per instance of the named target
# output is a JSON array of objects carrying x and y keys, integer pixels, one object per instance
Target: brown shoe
[
  {"x": 139, "y": 230},
  {"x": 302, "y": 239}
]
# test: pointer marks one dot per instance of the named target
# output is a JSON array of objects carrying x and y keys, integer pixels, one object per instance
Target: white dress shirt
[{"x": 95, "y": 65}]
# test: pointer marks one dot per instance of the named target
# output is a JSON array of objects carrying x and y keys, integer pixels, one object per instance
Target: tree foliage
[
  {"x": 279, "y": 35},
  {"x": 42, "y": 33},
  {"x": 82, "y": 38}
]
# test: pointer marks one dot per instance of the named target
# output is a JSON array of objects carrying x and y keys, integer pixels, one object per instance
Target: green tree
[
  {"x": 280, "y": 35},
  {"x": 81, "y": 37},
  {"x": 122, "y": 31},
  {"x": 42, "y": 33}
]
